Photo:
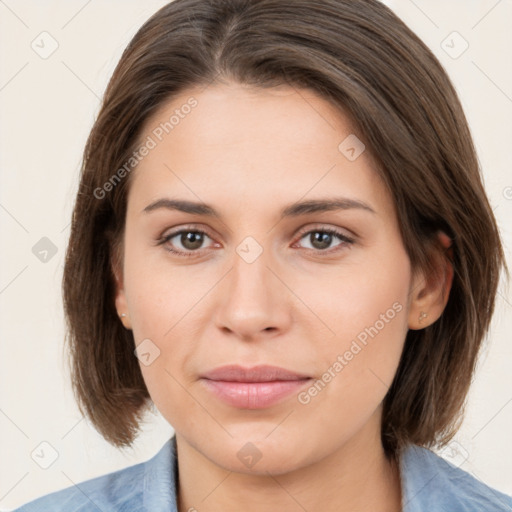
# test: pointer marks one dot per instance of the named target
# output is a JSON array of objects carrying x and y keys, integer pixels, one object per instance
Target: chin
[{"x": 254, "y": 453}]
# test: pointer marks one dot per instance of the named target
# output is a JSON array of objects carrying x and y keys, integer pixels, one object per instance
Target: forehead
[
  {"x": 219, "y": 111},
  {"x": 238, "y": 143}
]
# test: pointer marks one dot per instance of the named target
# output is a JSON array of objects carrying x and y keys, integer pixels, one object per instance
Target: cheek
[
  {"x": 162, "y": 311},
  {"x": 364, "y": 301},
  {"x": 365, "y": 308},
  {"x": 164, "y": 301},
  {"x": 159, "y": 293}
]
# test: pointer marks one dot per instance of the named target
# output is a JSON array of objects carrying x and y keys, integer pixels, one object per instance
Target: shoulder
[
  {"x": 130, "y": 489},
  {"x": 430, "y": 482}
]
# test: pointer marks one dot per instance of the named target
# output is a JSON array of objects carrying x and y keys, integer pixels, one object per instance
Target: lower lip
[{"x": 254, "y": 395}]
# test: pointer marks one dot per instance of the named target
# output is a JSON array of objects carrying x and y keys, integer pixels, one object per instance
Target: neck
[{"x": 355, "y": 477}]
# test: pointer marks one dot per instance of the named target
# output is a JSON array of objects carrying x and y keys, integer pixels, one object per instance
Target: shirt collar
[{"x": 424, "y": 476}]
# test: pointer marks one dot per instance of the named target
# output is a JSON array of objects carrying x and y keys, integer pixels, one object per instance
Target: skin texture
[{"x": 249, "y": 153}]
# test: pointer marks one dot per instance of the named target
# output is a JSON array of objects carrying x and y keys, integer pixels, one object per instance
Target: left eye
[
  {"x": 321, "y": 239},
  {"x": 191, "y": 241}
]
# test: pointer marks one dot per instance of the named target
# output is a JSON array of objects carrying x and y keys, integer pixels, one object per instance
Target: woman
[{"x": 281, "y": 213}]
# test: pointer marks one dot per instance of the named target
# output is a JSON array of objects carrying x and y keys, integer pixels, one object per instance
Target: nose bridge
[
  {"x": 254, "y": 299},
  {"x": 250, "y": 273}
]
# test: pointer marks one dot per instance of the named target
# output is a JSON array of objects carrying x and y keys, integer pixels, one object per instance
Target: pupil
[
  {"x": 192, "y": 240},
  {"x": 322, "y": 240}
]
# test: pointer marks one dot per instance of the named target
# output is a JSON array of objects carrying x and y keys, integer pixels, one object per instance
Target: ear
[
  {"x": 120, "y": 295},
  {"x": 429, "y": 293}
]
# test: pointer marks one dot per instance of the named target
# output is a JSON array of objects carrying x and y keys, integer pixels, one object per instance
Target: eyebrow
[{"x": 293, "y": 210}]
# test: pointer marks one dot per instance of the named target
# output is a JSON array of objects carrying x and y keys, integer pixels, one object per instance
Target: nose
[{"x": 254, "y": 302}]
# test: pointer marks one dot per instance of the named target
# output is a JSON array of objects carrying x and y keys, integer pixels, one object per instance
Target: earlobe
[
  {"x": 122, "y": 309},
  {"x": 120, "y": 298},
  {"x": 430, "y": 292}
]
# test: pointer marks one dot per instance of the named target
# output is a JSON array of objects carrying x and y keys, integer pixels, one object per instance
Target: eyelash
[{"x": 346, "y": 241}]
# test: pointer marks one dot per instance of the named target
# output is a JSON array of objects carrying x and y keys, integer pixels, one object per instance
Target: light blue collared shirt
[{"x": 429, "y": 484}]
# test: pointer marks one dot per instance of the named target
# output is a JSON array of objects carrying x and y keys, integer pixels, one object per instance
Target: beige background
[{"x": 47, "y": 109}]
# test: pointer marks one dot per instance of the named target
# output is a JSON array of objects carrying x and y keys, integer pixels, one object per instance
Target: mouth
[{"x": 253, "y": 388}]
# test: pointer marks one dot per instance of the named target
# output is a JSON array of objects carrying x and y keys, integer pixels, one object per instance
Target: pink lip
[{"x": 253, "y": 388}]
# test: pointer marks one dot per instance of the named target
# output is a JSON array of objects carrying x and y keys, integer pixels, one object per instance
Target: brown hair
[{"x": 359, "y": 56}]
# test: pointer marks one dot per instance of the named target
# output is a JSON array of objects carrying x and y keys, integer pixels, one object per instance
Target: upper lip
[{"x": 261, "y": 373}]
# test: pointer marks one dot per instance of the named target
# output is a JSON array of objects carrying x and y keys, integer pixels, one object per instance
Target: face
[{"x": 261, "y": 319}]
